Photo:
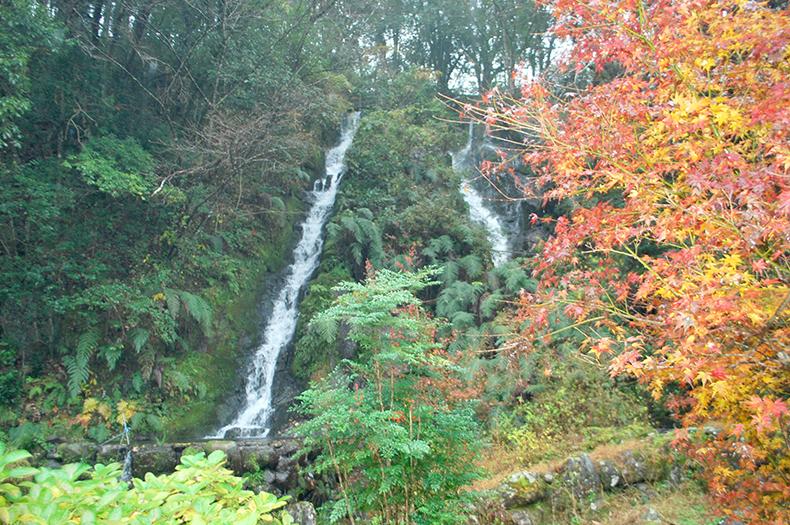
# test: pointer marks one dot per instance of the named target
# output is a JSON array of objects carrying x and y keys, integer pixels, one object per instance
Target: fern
[
  {"x": 450, "y": 274},
  {"x": 278, "y": 204},
  {"x": 77, "y": 366},
  {"x": 457, "y": 298},
  {"x": 462, "y": 320},
  {"x": 139, "y": 337},
  {"x": 516, "y": 278},
  {"x": 360, "y": 237},
  {"x": 111, "y": 354},
  {"x": 439, "y": 246},
  {"x": 198, "y": 309},
  {"x": 489, "y": 305},
  {"x": 472, "y": 265},
  {"x": 325, "y": 327},
  {"x": 173, "y": 302}
]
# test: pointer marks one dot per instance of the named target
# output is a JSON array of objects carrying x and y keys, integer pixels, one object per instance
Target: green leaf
[{"x": 139, "y": 337}]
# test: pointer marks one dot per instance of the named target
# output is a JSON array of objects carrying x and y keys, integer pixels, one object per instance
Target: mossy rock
[
  {"x": 76, "y": 453},
  {"x": 524, "y": 488},
  {"x": 157, "y": 459},
  {"x": 639, "y": 466}
]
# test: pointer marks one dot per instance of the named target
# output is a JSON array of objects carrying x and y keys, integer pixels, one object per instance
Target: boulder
[
  {"x": 75, "y": 453},
  {"x": 580, "y": 476},
  {"x": 609, "y": 475},
  {"x": 231, "y": 450},
  {"x": 157, "y": 459},
  {"x": 652, "y": 516},
  {"x": 521, "y": 517},
  {"x": 523, "y": 488},
  {"x": 303, "y": 513},
  {"x": 637, "y": 467},
  {"x": 256, "y": 456},
  {"x": 110, "y": 454}
]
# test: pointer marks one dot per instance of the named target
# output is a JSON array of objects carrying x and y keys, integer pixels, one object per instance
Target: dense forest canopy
[
  {"x": 156, "y": 160},
  {"x": 148, "y": 146}
]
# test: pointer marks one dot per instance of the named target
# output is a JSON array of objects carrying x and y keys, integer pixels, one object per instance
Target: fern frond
[
  {"x": 199, "y": 309},
  {"x": 325, "y": 327},
  {"x": 472, "y": 265},
  {"x": 173, "y": 302},
  {"x": 77, "y": 366},
  {"x": 139, "y": 337}
]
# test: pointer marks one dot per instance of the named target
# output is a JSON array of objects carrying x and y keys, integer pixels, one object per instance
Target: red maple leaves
[{"x": 674, "y": 260}]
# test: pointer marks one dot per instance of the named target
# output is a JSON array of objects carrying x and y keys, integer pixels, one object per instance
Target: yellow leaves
[
  {"x": 725, "y": 472},
  {"x": 656, "y": 389},
  {"x": 727, "y": 117},
  {"x": 704, "y": 377},
  {"x": 722, "y": 389},
  {"x": 720, "y": 113},
  {"x": 126, "y": 409},
  {"x": 732, "y": 260},
  {"x": 160, "y": 296},
  {"x": 705, "y": 63},
  {"x": 755, "y": 317},
  {"x": 93, "y": 407},
  {"x": 687, "y": 106}
]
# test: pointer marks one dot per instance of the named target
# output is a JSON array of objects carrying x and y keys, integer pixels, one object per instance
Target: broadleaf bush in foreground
[{"x": 200, "y": 491}]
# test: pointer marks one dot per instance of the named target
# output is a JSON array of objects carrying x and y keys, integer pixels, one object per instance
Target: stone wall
[
  {"x": 528, "y": 497},
  {"x": 275, "y": 460}
]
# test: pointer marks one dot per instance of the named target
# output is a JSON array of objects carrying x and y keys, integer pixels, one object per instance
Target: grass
[{"x": 686, "y": 504}]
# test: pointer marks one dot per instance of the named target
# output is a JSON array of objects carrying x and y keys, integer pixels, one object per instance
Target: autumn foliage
[{"x": 674, "y": 260}]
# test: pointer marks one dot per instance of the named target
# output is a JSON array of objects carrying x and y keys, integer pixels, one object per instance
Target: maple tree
[{"x": 673, "y": 262}]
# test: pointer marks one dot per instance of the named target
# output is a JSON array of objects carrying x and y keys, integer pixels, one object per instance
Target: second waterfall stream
[
  {"x": 253, "y": 418},
  {"x": 463, "y": 162}
]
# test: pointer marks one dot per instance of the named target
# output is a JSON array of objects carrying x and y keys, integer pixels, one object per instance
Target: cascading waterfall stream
[
  {"x": 478, "y": 211},
  {"x": 254, "y": 416}
]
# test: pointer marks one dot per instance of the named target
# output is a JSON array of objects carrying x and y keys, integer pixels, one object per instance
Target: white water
[
  {"x": 253, "y": 418},
  {"x": 478, "y": 210}
]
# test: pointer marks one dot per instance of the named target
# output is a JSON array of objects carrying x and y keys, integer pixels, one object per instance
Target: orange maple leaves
[{"x": 675, "y": 257}]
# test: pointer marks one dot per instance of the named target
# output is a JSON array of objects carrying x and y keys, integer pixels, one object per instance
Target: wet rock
[
  {"x": 303, "y": 513},
  {"x": 676, "y": 474},
  {"x": 580, "y": 476},
  {"x": 637, "y": 467},
  {"x": 521, "y": 517},
  {"x": 285, "y": 479},
  {"x": 652, "y": 515},
  {"x": 52, "y": 463},
  {"x": 286, "y": 447},
  {"x": 231, "y": 450},
  {"x": 609, "y": 475},
  {"x": 110, "y": 454},
  {"x": 75, "y": 453},
  {"x": 233, "y": 433},
  {"x": 257, "y": 456},
  {"x": 265, "y": 483},
  {"x": 157, "y": 459}
]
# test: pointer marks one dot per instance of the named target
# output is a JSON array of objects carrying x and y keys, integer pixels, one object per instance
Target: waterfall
[
  {"x": 478, "y": 211},
  {"x": 254, "y": 416}
]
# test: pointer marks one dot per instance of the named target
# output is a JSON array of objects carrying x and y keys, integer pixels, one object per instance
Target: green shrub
[{"x": 400, "y": 446}]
